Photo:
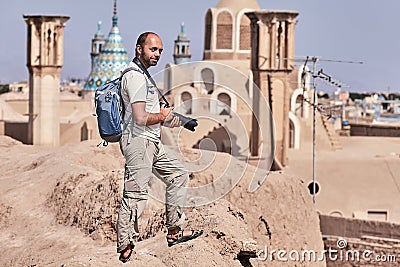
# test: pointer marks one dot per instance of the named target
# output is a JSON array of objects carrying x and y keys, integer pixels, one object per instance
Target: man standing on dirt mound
[{"x": 144, "y": 153}]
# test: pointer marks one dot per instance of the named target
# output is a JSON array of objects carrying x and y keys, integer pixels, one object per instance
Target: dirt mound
[
  {"x": 226, "y": 242},
  {"x": 87, "y": 203},
  {"x": 91, "y": 203},
  {"x": 48, "y": 190}
]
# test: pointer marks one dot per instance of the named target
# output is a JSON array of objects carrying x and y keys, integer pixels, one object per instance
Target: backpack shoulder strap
[
  {"x": 127, "y": 70},
  {"x": 119, "y": 91}
]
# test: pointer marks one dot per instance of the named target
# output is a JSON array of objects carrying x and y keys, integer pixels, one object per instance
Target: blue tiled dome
[{"x": 112, "y": 60}]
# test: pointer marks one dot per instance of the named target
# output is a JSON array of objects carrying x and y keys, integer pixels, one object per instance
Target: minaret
[
  {"x": 98, "y": 42},
  {"x": 44, "y": 62},
  {"x": 113, "y": 59},
  {"x": 182, "y": 47},
  {"x": 272, "y": 35}
]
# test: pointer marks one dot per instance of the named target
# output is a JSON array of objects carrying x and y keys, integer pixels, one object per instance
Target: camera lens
[{"x": 187, "y": 122}]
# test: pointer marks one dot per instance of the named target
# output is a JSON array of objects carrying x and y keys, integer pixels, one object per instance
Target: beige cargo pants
[{"x": 142, "y": 158}]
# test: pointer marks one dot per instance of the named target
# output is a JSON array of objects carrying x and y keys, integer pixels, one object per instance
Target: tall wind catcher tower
[
  {"x": 44, "y": 62},
  {"x": 272, "y": 35}
]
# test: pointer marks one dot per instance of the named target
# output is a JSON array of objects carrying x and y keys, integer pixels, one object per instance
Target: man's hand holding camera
[{"x": 170, "y": 120}]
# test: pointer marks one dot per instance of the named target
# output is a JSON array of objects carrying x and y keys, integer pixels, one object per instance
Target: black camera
[{"x": 187, "y": 122}]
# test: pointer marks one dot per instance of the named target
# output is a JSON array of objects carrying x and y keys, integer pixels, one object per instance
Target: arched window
[
  {"x": 224, "y": 30},
  {"x": 224, "y": 104},
  {"x": 207, "y": 75},
  {"x": 299, "y": 105},
  {"x": 245, "y": 38},
  {"x": 186, "y": 98},
  {"x": 207, "y": 32},
  {"x": 291, "y": 134}
]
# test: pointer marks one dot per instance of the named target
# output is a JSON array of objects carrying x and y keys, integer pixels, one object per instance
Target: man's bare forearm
[
  {"x": 154, "y": 118},
  {"x": 142, "y": 117}
]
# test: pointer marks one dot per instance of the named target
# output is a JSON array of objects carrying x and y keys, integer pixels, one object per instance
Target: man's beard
[
  {"x": 153, "y": 62},
  {"x": 149, "y": 61}
]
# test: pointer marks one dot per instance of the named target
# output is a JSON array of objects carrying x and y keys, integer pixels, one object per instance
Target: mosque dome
[
  {"x": 236, "y": 5},
  {"x": 113, "y": 58}
]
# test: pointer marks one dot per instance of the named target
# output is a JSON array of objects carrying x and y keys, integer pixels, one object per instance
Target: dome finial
[
  {"x": 182, "y": 34},
  {"x": 99, "y": 33},
  {"x": 115, "y": 17},
  {"x": 182, "y": 27}
]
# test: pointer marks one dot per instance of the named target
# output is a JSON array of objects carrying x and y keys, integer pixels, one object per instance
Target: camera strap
[{"x": 140, "y": 65}]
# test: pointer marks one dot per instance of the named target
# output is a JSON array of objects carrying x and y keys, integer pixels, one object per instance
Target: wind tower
[
  {"x": 182, "y": 47},
  {"x": 272, "y": 53},
  {"x": 113, "y": 59},
  {"x": 44, "y": 62}
]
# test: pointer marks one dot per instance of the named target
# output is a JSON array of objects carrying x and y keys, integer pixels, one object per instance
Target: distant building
[
  {"x": 221, "y": 89},
  {"x": 98, "y": 42},
  {"x": 54, "y": 114},
  {"x": 108, "y": 58},
  {"x": 19, "y": 87},
  {"x": 182, "y": 47},
  {"x": 73, "y": 86}
]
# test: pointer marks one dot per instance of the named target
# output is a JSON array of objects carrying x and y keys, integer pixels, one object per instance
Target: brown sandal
[
  {"x": 126, "y": 259},
  {"x": 178, "y": 237}
]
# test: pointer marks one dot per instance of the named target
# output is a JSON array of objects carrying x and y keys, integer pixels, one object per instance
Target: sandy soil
[
  {"x": 59, "y": 208},
  {"x": 354, "y": 178}
]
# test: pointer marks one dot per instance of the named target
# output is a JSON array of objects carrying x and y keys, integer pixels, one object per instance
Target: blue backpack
[{"x": 110, "y": 110}]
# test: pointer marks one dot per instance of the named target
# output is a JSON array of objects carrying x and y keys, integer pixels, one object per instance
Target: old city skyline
[{"x": 350, "y": 31}]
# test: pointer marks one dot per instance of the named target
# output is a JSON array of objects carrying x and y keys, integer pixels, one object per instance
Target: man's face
[{"x": 150, "y": 53}]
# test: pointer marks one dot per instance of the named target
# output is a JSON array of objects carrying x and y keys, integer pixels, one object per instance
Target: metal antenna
[
  {"x": 314, "y": 163},
  {"x": 320, "y": 74},
  {"x": 322, "y": 60},
  {"x": 115, "y": 7}
]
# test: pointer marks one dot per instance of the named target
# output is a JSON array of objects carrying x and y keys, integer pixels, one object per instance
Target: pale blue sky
[{"x": 356, "y": 30}]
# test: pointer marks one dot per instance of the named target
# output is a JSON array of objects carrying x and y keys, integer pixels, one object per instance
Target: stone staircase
[
  {"x": 333, "y": 136},
  {"x": 214, "y": 129},
  {"x": 181, "y": 137}
]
